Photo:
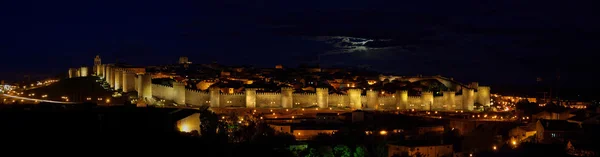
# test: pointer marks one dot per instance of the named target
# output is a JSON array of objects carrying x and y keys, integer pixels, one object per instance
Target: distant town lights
[{"x": 383, "y": 132}]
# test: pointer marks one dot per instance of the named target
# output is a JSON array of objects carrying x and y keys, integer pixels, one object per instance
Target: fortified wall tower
[
  {"x": 468, "y": 96},
  {"x": 215, "y": 96},
  {"x": 427, "y": 100},
  {"x": 146, "y": 86},
  {"x": 118, "y": 78},
  {"x": 287, "y": 99},
  {"x": 322, "y": 97},
  {"x": 83, "y": 71},
  {"x": 402, "y": 99},
  {"x": 483, "y": 95},
  {"x": 179, "y": 93},
  {"x": 372, "y": 101},
  {"x": 449, "y": 100},
  {"x": 251, "y": 97},
  {"x": 355, "y": 102},
  {"x": 128, "y": 81}
]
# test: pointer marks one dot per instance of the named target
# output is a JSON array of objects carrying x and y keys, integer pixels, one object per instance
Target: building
[
  {"x": 420, "y": 149},
  {"x": 184, "y": 60},
  {"x": 553, "y": 115},
  {"x": 555, "y": 131},
  {"x": 588, "y": 118},
  {"x": 305, "y": 131},
  {"x": 97, "y": 64},
  {"x": 521, "y": 133}
]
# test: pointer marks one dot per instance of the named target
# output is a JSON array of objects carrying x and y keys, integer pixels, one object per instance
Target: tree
[
  {"x": 209, "y": 124},
  {"x": 312, "y": 152},
  {"x": 379, "y": 150},
  {"x": 325, "y": 151},
  {"x": 360, "y": 151},
  {"x": 323, "y": 139},
  {"x": 342, "y": 151}
]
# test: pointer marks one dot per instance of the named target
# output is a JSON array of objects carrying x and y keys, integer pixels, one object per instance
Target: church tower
[{"x": 97, "y": 64}]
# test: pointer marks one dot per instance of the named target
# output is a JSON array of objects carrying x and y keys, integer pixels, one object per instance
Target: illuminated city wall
[
  {"x": 196, "y": 97},
  {"x": 304, "y": 100},
  {"x": 233, "y": 100},
  {"x": 449, "y": 101},
  {"x": 286, "y": 97},
  {"x": 162, "y": 91},
  {"x": 128, "y": 81},
  {"x": 387, "y": 102},
  {"x": 339, "y": 100},
  {"x": 267, "y": 99}
]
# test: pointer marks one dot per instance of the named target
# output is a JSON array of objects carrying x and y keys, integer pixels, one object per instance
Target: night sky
[{"x": 495, "y": 42}]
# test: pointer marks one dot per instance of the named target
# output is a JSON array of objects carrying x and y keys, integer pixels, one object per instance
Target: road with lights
[{"x": 39, "y": 100}]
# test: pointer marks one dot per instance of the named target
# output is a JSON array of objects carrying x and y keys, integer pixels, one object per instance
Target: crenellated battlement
[
  {"x": 305, "y": 93},
  {"x": 161, "y": 85},
  {"x": 481, "y": 88},
  {"x": 233, "y": 94},
  {"x": 338, "y": 95},
  {"x": 287, "y": 89},
  {"x": 267, "y": 93},
  {"x": 256, "y": 98},
  {"x": 196, "y": 91},
  {"x": 414, "y": 97},
  {"x": 209, "y": 81},
  {"x": 355, "y": 90}
]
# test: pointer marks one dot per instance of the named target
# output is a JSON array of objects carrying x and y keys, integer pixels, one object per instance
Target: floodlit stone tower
[
  {"x": 83, "y": 71},
  {"x": 468, "y": 96},
  {"x": 402, "y": 99},
  {"x": 449, "y": 100},
  {"x": 110, "y": 75},
  {"x": 355, "y": 101},
  {"x": 73, "y": 72},
  {"x": 372, "y": 101},
  {"x": 215, "y": 96},
  {"x": 286, "y": 97},
  {"x": 179, "y": 93},
  {"x": 102, "y": 70},
  {"x": 322, "y": 97},
  {"x": 97, "y": 63},
  {"x": 183, "y": 60},
  {"x": 483, "y": 95},
  {"x": 118, "y": 77},
  {"x": 427, "y": 100},
  {"x": 250, "y": 98},
  {"x": 146, "y": 86},
  {"x": 128, "y": 81}
]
